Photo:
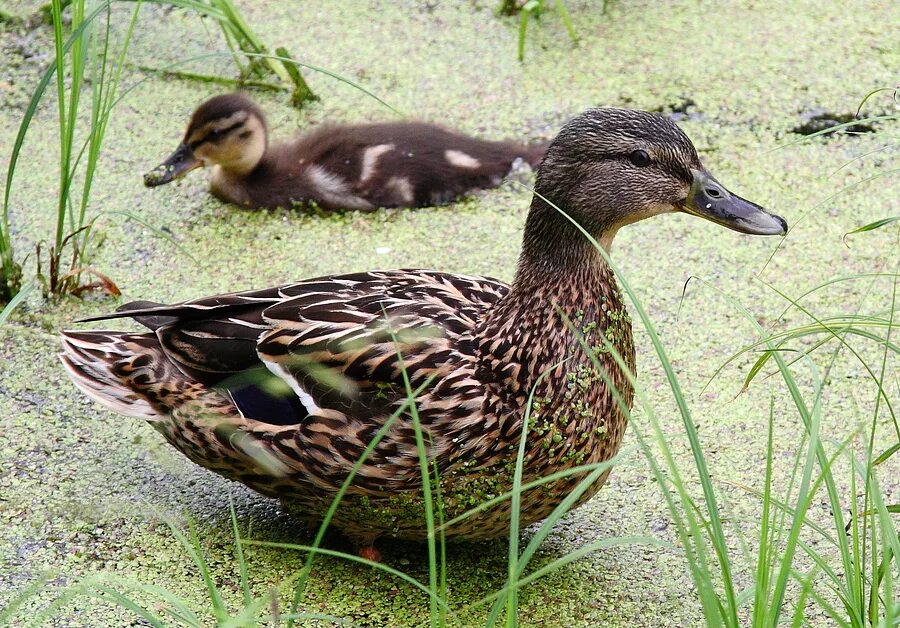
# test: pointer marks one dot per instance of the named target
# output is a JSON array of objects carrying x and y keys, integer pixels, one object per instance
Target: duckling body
[
  {"x": 363, "y": 167},
  {"x": 284, "y": 388}
]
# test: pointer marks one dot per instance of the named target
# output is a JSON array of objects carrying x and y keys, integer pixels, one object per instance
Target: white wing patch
[
  {"x": 333, "y": 189},
  {"x": 461, "y": 160},
  {"x": 370, "y": 160},
  {"x": 305, "y": 398},
  {"x": 402, "y": 187}
]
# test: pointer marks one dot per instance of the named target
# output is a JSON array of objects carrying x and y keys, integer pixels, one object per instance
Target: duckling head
[
  {"x": 611, "y": 167},
  {"x": 228, "y": 131}
]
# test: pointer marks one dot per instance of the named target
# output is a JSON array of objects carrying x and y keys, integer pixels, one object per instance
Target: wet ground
[{"x": 85, "y": 491}]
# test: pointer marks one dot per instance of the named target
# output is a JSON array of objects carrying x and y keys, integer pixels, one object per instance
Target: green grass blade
[
  {"x": 880, "y": 459},
  {"x": 524, "y": 15},
  {"x": 567, "y": 20},
  {"x": 872, "y": 93},
  {"x": 878, "y": 224},
  {"x": 569, "y": 558},
  {"x": 20, "y": 598},
  {"x": 424, "y": 472},
  {"x": 558, "y": 475},
  {"x": 129, "y": 604},
  {"x": 763, "y": 562},
  {"x": 239, "y": 554},
  {"x": 335, "y": 502},
  {"x": 315, "y": 549},
  {"x": 192, "y": 546},
  {"x": 155, "y": 230},
  {"x": 17, "y": 300},
  {"x": 512, "y": 603},
  {"x": 836, "y": 127}
]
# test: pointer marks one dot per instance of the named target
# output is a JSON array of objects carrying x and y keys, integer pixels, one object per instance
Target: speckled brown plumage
[
  {"x": 283, "y": 388},
  {"x": 364, "y": 166}
]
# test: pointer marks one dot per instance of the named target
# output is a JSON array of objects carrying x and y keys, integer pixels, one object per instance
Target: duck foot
[{"x": 369, "y": 552}]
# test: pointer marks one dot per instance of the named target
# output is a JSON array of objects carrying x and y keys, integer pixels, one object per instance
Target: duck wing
[
  {"x": 345, "y": 343},
  {"x": 212, "y": 338},
  {"x": 339, "y": 343}
]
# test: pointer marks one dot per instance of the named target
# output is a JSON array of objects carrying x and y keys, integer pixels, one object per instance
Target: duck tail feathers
[{"x": 122, "y": 371}]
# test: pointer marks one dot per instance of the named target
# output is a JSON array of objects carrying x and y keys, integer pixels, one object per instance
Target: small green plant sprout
[
  {"x": 534, "y": 9},
  {"x": 255, "y": 61},
  {"x": 242, "y": 39}
]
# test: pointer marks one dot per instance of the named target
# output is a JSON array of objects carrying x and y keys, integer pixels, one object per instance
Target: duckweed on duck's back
[{"x": 496, "y": 343}]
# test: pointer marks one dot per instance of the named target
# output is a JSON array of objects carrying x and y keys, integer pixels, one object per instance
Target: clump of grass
[
  {"x": 856, "y": 588},
  {"x": 167, "y": 608},
  {"x": 532, "y": 10},
  {"x": 252, "y": 57},
  {"x": 785, "y": 521},
  {"x": 83, "y": 56}
]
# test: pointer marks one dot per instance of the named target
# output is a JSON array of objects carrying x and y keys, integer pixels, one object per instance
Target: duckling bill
[
  {"x": 363, "y": 167},
  {"x": 477, "y": 349}
]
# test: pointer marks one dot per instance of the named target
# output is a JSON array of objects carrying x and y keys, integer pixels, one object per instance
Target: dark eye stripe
[{"x": 217, "y": 134}]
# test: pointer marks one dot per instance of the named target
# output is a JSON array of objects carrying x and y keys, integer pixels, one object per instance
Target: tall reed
[{"x": 82, "y": 54}]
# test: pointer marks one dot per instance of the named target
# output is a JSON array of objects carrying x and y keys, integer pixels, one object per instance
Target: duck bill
[
  {"x": 176, "y": 166},
  {"x": 710, "y": 199}
]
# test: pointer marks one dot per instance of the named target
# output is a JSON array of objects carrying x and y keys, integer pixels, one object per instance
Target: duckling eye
[{"x": 639, "y": 158}]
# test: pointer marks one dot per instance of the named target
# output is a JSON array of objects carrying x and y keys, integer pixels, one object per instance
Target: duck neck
[
  {"x": 555, "y": 247},
  {"x": 551, "y": 336},
  {"x": 563, "y": 289}
]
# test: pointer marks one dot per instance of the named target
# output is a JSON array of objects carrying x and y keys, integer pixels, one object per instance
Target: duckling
[
  {"x": 284, "y": 388},
  {"x": 362, "y": 167}
]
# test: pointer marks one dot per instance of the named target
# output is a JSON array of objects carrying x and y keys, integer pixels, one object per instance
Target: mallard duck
[
  {"x": 363, "y": 167},
  {"x": 283, "y": 388}
]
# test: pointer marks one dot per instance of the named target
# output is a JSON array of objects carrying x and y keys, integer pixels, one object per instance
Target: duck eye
[{"x": 639, "y": 158}]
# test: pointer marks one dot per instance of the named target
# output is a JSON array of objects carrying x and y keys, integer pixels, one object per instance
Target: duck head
[
  {"x": 611, "y": 167},
  {"x": 228, "y": 131}
]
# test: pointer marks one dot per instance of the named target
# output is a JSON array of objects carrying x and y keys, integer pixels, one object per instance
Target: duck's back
[{"x": 404, "y": 164}]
